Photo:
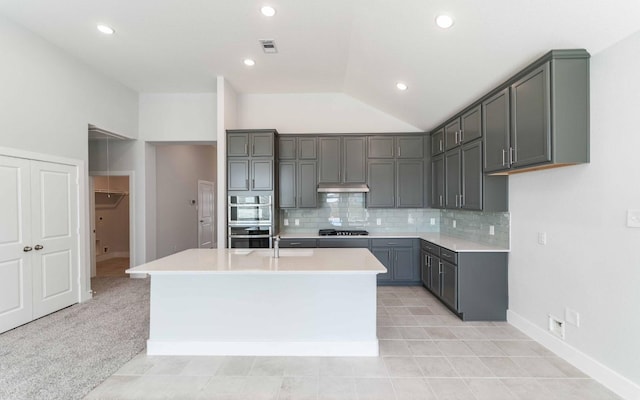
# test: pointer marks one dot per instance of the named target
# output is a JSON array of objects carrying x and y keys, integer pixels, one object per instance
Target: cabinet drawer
[
  {"x": 344, "y": 243},
  {"x": 298, "y": 243},
  {"x": 448, "y": 255},
  {"x": 391, "y": 242},
  {"x": 431, "y": 248}
]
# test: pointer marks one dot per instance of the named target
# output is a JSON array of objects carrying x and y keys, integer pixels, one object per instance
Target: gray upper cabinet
[
  {"x": 354, "y": 159},
  {"x": 287, "y": 184},
  {"x": 409, "y": 183},
  {"x": 531, "y": 114},
  {"x": 238, "y": 145},
  {"x": 381, "y": 179},
  {"x": 453, "y": 188},
  {"x": 452, "y": 134},
  {"x": 437, "y": 181},
  {"x": 410, "y": 146},
  {"x": 307, "y": 148},
  {"x": 471, "y": 177},
  {"x": 307, "y": 184},
  {"x": 437, "y": 142},
  {"x": 342, "y": 159},
  {"x": 238, "y": 175},
  {"x": 262, "y": 144},
  {"x": 330, "y": 160},
  {"x": 497, "y": 129},
  {"x": 540, "y": 133},
  {"x": 471, "y": 128},
  {"x": 287, "y": 148},
  {"x": 381, "y": 147},
  {"x": 261, "y": 174}
]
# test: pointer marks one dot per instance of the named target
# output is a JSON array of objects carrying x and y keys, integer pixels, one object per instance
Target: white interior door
[
  {"x": 205, "y": 214},
  {"x": 16, "y": 301},
  {"x": 54, "y": 205}
]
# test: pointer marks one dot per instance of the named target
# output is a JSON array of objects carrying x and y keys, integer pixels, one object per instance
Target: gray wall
[
  {"x": 112, "y": 224},
  {"x": 178, "y": 169}
]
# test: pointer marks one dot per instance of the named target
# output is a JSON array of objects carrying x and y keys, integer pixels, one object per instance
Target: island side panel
[{"x": 263, "y": 314}]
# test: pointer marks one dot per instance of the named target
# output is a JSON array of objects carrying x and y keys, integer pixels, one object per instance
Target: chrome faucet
[{"x": 276, "y": 246}]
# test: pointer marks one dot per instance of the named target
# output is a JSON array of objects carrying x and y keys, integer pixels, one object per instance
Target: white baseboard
[
  {"x": 367, "y": 348},
  {"x": 109, "y": 256},
  {"x": 612, "y": 380}
]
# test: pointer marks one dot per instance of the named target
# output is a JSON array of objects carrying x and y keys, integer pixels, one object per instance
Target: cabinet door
[
  {"x": 261, "y": 174},
  {"x": 238, "y": 174},
  {"x": 452, "y": 173},
  {"x": 531, "y": 116},
  {"x": 307, "y": 148},
  {"x": 472, "y": 182},
  {"x": 471, "y": 128},
  {"x": 410, "y": 146},
  {"x": 354, "y": 159},
  {"x": 425, "y": 278},
  {"x": 287, "y": 184},
  {"x": 237, "y": 145},
  {"x": 437, "y": 181},
  {"x": 437, "y": 142},
  {"x": 381, "y": 180},
  {"x": 451, "y": 134},
  {"x": 329, "y": 160},
  {"x": 449, "y": 292},
  {"x": 380, "y": 147},
  {"x": 287, "y": 148},
  {"x": 383, "y": 254},
  {"x": 307, "y": 184},
  {"x": 436, "y": 267},
  {"x": 404, "y": 266},
  {"x": 262, "y": 144},
  {"x": 497, "y": 128},
  {"x": 410, "y": 183}
]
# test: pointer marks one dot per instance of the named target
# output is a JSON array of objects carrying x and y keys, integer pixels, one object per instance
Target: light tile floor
[{"x": 425, "y": 353}]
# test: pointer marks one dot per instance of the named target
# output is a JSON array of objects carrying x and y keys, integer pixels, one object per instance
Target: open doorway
[{"x": 111, "y": 213}]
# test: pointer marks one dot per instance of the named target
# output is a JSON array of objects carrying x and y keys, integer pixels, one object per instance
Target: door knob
[
  {"x": 27, "y": 248},
  {"x": 39, "y": 247}
]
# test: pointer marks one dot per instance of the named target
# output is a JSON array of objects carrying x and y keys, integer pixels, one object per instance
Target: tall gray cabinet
[
  {"x": 250, "y": 160},
  {"x": 298, "y": 172}
]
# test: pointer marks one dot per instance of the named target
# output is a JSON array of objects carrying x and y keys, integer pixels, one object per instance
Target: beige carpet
[{"x": 66, "y": 354}]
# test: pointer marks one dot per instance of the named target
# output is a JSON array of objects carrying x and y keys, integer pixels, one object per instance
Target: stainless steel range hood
[{"x": 343, "y": 188}]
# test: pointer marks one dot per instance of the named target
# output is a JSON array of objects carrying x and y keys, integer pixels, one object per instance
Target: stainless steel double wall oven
[{"x": 250, "y": 221}]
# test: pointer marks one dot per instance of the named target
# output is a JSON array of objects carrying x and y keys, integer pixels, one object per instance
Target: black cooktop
[{"x": 334, "y": 232}]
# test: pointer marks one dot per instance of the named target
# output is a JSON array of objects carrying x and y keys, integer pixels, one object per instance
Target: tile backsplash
[{"x": 347, "y": 211}]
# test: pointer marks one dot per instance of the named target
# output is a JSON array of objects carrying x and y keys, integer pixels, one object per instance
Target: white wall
[
  {"x": 112, "y": 224},
  {"x": 48, "y": 98},
  {"x": 178, "y": 117},
  {"x": 314, "y": 113},
  {"x": 178, "y": 169},
  {"x": 591, "y": 263}
]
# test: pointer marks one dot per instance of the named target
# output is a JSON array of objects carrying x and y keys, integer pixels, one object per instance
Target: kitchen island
[{"x": 307, "y": 302}]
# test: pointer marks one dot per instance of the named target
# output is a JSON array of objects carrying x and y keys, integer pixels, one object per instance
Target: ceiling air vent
[{"x": 268, "y": 46}]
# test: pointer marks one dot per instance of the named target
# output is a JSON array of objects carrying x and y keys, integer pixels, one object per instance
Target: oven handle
[
  {"x": 249, "y": 236},
  {"x": 249, "y": 205},
  {"x": 249, "y": 224}
]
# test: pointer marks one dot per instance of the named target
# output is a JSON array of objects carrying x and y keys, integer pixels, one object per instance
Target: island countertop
[{"x": 261, "y": 261}]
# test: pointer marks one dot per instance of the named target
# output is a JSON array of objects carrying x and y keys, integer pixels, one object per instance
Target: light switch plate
[
  {"x": 633, "y": 218},
  {"x": 542, "y": 238}
]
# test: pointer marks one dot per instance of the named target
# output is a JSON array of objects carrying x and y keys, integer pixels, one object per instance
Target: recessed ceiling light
[
  {"x": 444, "y": 21},
  {"x": 249, "y": 62},
  {"x": 107, "y": 30},
  {"x": 402, "y": 86},
  {"x": 268, "y": 11}
]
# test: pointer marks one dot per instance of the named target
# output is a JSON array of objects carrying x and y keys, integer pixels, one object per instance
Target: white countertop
[
  {"x": 448, "y": 242},
  {"x": 258, "y": 261}
]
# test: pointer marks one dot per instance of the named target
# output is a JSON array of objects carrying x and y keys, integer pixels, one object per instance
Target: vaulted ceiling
[{"x": 359, "y": 47}]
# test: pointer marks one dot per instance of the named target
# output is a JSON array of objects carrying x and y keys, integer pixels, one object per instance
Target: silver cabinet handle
[
  {"x": 245, "y": 149},
  {"x": 440, "y": 200},
  {"x": 440, "y": 267},
  {"x": 294, "y": 244},
  {"x": 504, "y": 152},
  {"x": 246, "y": 183},
  {"x": 512, "y": 155},
  {"x": 253, "y": 183},
  {"x": 39, "y": 247},
  {"x": 440, "y": 144},
  {"x": 398, "y": 151},
  {"x": 27, "y": 249},
  {"x": 461, "y": 200},
  {"x": 461, "y": 132}
]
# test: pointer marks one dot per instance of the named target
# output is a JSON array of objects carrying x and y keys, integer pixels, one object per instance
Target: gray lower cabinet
[
  {"x": 304, "y": 243},
  {"x": 381, "y": 181},
  {"x": 473, "y": 285},
  {"x": 342, "y": 243},
  {"x": 400, "y": 257}
]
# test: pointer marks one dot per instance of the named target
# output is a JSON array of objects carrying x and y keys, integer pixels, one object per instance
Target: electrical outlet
[
  {"x": 432, "y": 221},
  {"x": 106, "y": 250},
  {"x": 633, "y": 218},
  {"x": 454, "y": 223},
  {"x": 492, "y": 230},
  {"x": 378, "y": 221},
  {"x": 286, "y": 222},
  {"x": 572, "y": 317},
  {"x": 296, "y": 222},
  {"x": 542, "y": 238},
  {"x": 556, "y": 326}
]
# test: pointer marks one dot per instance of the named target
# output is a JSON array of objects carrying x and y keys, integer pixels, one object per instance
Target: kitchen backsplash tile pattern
[{"x": 347, "y": 211}]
